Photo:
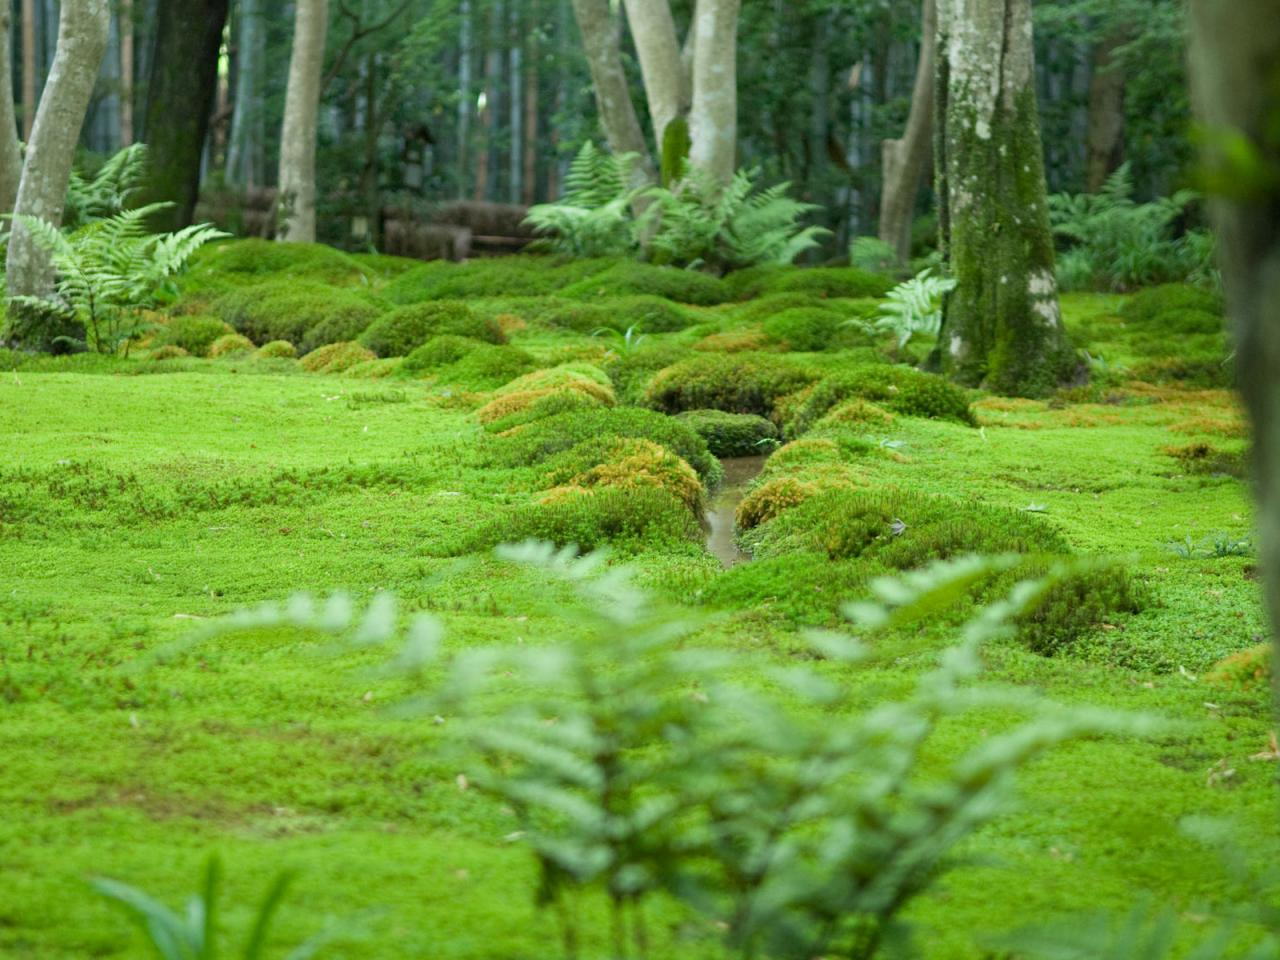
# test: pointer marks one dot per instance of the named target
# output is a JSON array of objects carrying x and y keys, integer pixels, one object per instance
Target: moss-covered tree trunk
[
  {"x": 1003, "y": 327},
  {"x": 180, "y": 93},
  {"x": 906, "y": 159},
  {"x": 1236, "y": 84},
  {"x": 10, "y": 152},
  {"x": 665, "y": 84},
  {"x": 296, "y": 213},
  {"x": 83, "y": 26},
  {"x": 1104, "y": 133},
  {"x": 713, "y": 118}
]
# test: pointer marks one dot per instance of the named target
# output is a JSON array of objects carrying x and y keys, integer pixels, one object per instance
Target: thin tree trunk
[
  {"x": 532, "y": 91},
  {"x": 246, "y": 114},
  {"x": 1003, "y": 325},
  {"x": 180, "y": 98},
  {"x": 515, "y": 106},
  {"x": 600, "y": 37},
  {"x": 82, "y": 42},
  {"x": 28, "y": 67},
  {"x": 296, "y": 216},
  {"x": 1234, "y": 51},
  {"x": 713, "y": 119},
  {"x": 654, "y": 31},
  {"x": 466, "y": 101},
  {"x": 10, "y": 150},
  {"x": 906, "y": 160},
  {"x": 1104, "y": 136},
  {"x": 126, "y": 72}
]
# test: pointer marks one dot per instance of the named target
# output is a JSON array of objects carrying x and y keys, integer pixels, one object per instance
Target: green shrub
[
  {"x": 438, "y": 352},
  {"x": 903, "y": 390},
  {"x": 537, "y": 442},
  {"x": 253, "y": 259},
  {"x": 624, "y": 518},
  {"x": 631, "y": 279},
  {"x": 487, "y": 367},
  {"x": 278, "y": 350},
  {"x": 290, "y": 310},
  {"x": 194, "y": 334},
  {"x": 733, "y": 383},
  {"x": 230, "y": 345},
  {"x": 399, "y": 332},
  {"x": 805, "y": 329},
  {"x": 1147, "y": 306},
  {"x": 824, "y": 282},
  {"x": 1077, "y": 605},
  {"x": 732, "y": 434}
]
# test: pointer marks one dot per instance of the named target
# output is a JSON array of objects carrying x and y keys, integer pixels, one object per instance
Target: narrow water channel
[{"x": 738, "y": 472}]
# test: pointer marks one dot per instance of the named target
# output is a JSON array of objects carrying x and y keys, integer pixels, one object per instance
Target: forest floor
[{"x": 135, "y": 507}]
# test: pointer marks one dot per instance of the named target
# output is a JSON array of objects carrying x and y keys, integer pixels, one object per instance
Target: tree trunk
[
  {"x": 532, "y": 94},
  {"x": 906, "y": 160},
  {"x": 466, "y": 54},
  {"x": 1104, "y": 135},
  {"x": 654, "y": 31},
  {"x": 296, "y": 215},
  {"x": 515, "y": 106},
  {"x": 42, "y": 192},
  {"x": 1234, "y": 52},
  {"x": 126, "y": 72},
  {"x": 244, "y": 152},
  {"x": 1003, "y": 326},
  {"x": 613, "y": 98},
  {"x": 180, "y": 97},
  {"x": 28, "y": 67},
  {"x": 486, "y": 150},
  {"x": 713, "y": 119},
  {"x": 10, "y": 151}
]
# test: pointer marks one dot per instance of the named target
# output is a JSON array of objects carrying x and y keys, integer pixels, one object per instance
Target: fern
[
  {"x": 912, "y": 307},
  {"x": 111, "y": 270},
  {"x": 594, "y": 218},
  {"x": 107, "y": 192}
]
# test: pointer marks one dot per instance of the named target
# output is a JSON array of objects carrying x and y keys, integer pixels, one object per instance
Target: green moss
[
  {"x": 278, "y": 349},
  {"x": 732, "y": 434},
  {"x": 231, "y": 345},
  {"x": 336, "y": 357},
  {"x": 903, "y": 390},
  {"x": 808, "y": 329},
  {"x": 169, "y": 351},
  {"x": 292, "y": 310},
  {"x": 1078, "y": 605},
  {"x": 194, "y": 334},
  {"x": 627, "y": 278},
  {"x": 401, "y": 331},
  {"x": 631, "y": 370},
  {"x": 522, "y": 276},
  {"x": 799, "y": 588},
  {"x": 821, "y": 282},
  {"x": 1146, "y": 307},
  {"x": 438, "y": 352},
  {"x": 247, "y": 261},
  {"x": 487, "y": 367},
  {"x": 733, "y": 383}
]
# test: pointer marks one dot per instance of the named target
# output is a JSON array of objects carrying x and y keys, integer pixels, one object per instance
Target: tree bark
[
  {"x": 466, "y": 55},
  {"x": 600, "y": 37},
  {"x": 82, "y": 42},
  {"x": 713, "y": 118},
  {"x": 296, "y": 215},
  {"x": 906, "y": 160},
  {"x": 1235, "y": 51},
  {"x": 10, "y": 150},
  {"x": 1104, "y": 134},
  {"x": 126, "y": 72},
  {"x": 28, "y": 67},
  {"x": 180, "y": 97},
  {"x": 245, "y": 161},
  {"x": 665, "y": 83},
  {"x": 1003, "y": 326}
]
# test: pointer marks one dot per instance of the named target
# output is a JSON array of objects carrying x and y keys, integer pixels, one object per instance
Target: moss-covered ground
[{"x": 141, "y": 497}]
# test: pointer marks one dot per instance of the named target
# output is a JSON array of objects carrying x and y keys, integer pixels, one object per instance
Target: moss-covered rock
[
  {"x": 487, "y": 367},
  {"x": 230, "y": 345},
  {"x": 903, "y": 390},
  {"x": 169, "y": 351},
  {"x": 625, "y": 463},
  {"x": 1146, "y": 307},
  {"x": 732, "y": 434},
  {"x": 194, "y": 334},
  {"x": 823, "y": 282},
  {"x": 438, "y": 352},
  {"x": 291, "y": 310},
  {"x": 733, "y": 383},
  {"x": 278, "y": 350},
  {"x": 513, "y": 403},
  {"x": 628, "y": 278},
  {"x": 401, "y": 331},
  {"x": 809, "y": 329},
  {"x": 248, "y": 261},
  {"x": 336, "y": 357}
]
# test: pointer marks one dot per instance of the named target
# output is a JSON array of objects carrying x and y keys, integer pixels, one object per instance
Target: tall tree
[
  {"x": 666, "y": 83},
  {"x": 1003, "y": 326},
  {"x": 1104, "y": 132},
  {"x": 713, "y": 118},
  {"x": 83, "y": 26},
  {"x": 127, "y": 66},
  {"x": 10, "y": 150},
  {"x": 1235, "y": 67},
  {"x": 180, "y": 96},
  {"x": 905, "y": 160},
  {"x": 246, "y": 160},
  {"x": 296, "y": 217},
  {"x": 600, "y": 37},
  {"x": 29, "y": 56}
]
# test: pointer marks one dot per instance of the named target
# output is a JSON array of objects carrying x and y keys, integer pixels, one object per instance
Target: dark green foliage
[
  {"x": 438, "y": 352},
  {"x": 823, "y": 282},
  {"x": 630, "y": 279},
  {"x": 488, "y": 366},
  {"x": 901, "y": 389},
  {"x": 805, "y": 329},
  {"x": 401, "y": 331},
  {"x": 290, "y": 310},
  {"x": 902, "y": 529},
  {"x": 631, "y": 370},
  {"x": 539, "y": 441},
  {"x": 1078, "y": 604},
  {"x": 1146, "y": 307},
  {"x": 733, "y": 383},
  {"x": 193, "y": 334},
  {"x": 630, "y": 519},
  {"x": 732, "y": 434}
]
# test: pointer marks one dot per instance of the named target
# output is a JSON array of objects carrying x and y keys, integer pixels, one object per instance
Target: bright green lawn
[{"x": 133, "y": 506}]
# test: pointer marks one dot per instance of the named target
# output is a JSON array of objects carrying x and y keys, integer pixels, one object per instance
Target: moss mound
[
  {"x": 538, "y": 394},
  {"x": 823, "y": 282},
  {"x": 230, "y": 345},
  {"x": 1248, "y": 671},
  {"x": 169, "y": 352},
  {"x": 438, "y": 352},
  {"x": 732, "y": 383},
  {"x": 625, "y": 463},
  {"x": 252, "y": 259},
  {"x": 278, "y": 350},
  {"x": 732, "y": 434},
  {"x": 400, "y": 332},
  {"x": 194, "y": 334},
  {"x": 518, "y": 276},
  {"x": 487, "y": 367},
  {"x": 336, "y": 357},
  {"x": 903, "y": 390},
  {"x": 631, "y": 370},
  {"x": 770, "y": 499},
  {"x": 308, "y": 315},
  {"x": 809, "y": 329},
  {"x": 628, "y": 278},
  {"x": 1147, "y": 307}
]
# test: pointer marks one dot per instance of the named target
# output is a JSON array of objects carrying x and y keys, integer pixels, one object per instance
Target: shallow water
[{"x": 738, "y": 472}]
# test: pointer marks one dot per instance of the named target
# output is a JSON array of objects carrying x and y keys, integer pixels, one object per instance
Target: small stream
[{"x": 738, "y": 472}]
